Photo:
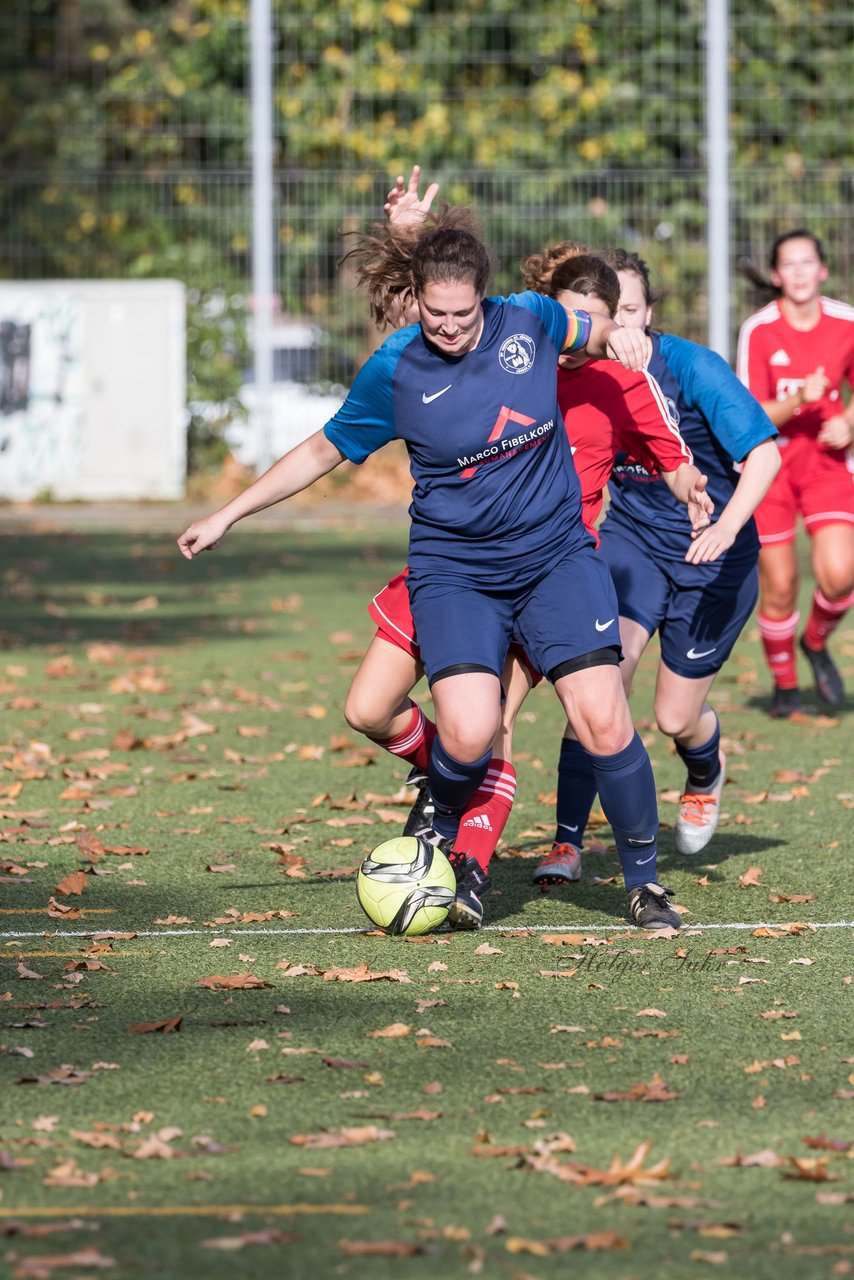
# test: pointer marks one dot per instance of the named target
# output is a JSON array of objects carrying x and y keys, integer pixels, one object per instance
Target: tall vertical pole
[
  {"x": 717, "y": 152},
  {"x": 263, "y": 233}
]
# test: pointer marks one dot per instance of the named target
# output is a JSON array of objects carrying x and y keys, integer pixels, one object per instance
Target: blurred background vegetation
[{"x": 125, "y": 148}]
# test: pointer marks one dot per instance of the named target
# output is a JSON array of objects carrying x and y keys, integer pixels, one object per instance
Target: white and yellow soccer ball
[{"x": 406, "y": 886}]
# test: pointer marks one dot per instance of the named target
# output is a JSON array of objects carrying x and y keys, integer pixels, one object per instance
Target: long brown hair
[{"x": 394, "y": 266}]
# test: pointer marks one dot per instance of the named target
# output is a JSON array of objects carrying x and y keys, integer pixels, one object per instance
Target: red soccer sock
[
  {"x": 485, "y": 816},
  {"x": 778, "y": 641},
  {"x": 414, "y": 743},
  {"x": 825, "y": 617}
]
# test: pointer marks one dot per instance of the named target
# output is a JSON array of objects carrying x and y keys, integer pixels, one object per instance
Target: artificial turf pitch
[{"x": 556, "y": 1092}]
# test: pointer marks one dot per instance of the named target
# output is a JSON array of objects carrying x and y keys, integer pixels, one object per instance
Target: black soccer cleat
[
  {"x": 784, "y": 703},
  {"x": 421, "y": 813},
  {"x": 828, "y": 681},
  {"x": 649, "y": 908},
  {"x": 472, "y": 885}
]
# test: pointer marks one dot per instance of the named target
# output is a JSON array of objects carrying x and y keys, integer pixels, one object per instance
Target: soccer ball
[{"x": 406, "y": 886}]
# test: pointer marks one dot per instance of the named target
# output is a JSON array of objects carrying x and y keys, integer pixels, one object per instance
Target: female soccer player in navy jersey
[
  {"x": 605, "y": 408},
  {"x": 794, "y": 355},
  {"x": 698, "y": 595},
  {"x": 498, "y": 550}
]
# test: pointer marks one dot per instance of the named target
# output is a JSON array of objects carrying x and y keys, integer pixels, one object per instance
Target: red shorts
[
  {"x": 391, "y": 612},
  {"x": 814, "y": 481}
]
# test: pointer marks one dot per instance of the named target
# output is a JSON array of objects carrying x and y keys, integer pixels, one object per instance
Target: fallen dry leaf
[
  {"x": 74, "y": 883},
  {"x": 237, "y": 982},
  {"x": 361, "y": 973},
  {"x": 166, "y": 1025},
  {"x": 344, "y": 1137},
  {"x": 655, "y": 1091},
  {"x": 68, "y": 1174},
  {"x": 393, "y": 1032},
  {"x": 380, "y": 1248},
  {"x": 232, "y": 1243},
  {"x": 41, "y": 1266},
  {"x": 593, "y": 1242}
]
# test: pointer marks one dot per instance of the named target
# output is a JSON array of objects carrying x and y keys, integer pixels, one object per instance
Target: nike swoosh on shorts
[
  {"x": 603, "y": 626},
  {"x": 705, "y": 653}
]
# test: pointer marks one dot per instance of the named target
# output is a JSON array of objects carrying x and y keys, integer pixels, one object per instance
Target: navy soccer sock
[
  {"x": 576, "y": 791},
  {"x": 626, "y": 789},
  {"x": 452, "y": 783},
  {"x": 703, "y": 763}
]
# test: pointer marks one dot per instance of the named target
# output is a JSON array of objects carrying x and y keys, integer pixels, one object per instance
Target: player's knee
[
  {"x": 467, "y": 742},
  {"x": 365, "y": 716},
  {"x": 672, "y": 721},
  {"x": 779, "y": 596},
  {"x": 835, "y": 581},
  {"x": 604, "y": 731}
]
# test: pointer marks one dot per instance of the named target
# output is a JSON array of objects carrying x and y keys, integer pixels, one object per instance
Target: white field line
[{"x": 577, "y": 927}]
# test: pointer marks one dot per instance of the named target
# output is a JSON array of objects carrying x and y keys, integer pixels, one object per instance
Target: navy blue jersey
[
  {"x": 495, "y": 487},
  {"x": 720, "y": 425}
]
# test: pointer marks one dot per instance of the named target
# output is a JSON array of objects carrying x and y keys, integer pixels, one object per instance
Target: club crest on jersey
[
  {"x": 516, "y": 354},
  {"x": 672, "y": 411}
]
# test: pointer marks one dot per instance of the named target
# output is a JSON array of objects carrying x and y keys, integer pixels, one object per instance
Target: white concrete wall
[{"x": 98, "y": 411}]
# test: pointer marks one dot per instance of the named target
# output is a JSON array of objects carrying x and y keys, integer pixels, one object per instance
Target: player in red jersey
[
  {"x": 794, "y": 355},
  {"x": 602, "y": 415}
]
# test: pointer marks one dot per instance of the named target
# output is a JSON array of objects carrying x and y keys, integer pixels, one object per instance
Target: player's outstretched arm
[
  {"x": 297, "y": 470},
  {"x": 404, "y": 208},
  {"x": 688, "y": 486},
  {"x": 759, "y": 469}
]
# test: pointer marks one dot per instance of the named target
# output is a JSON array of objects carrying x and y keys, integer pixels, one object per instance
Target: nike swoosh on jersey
[
  {"x": 705, "y": 653},
  {"x": 603, "y": 626},
  {"x": 425, "y": 399}
]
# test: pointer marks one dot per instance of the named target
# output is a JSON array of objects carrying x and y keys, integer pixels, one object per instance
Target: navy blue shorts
[
  {"x": 699, "y": 610},
  {"x": 568, "y": 611}
]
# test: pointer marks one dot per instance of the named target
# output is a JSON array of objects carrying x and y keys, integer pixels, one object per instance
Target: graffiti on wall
[{"x": 41, "y": 391}]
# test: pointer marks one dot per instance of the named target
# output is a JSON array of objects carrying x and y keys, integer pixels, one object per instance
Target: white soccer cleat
[{"x": 699, "y": 814}]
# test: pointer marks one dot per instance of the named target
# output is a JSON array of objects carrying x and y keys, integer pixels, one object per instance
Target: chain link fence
[{"x": 127, "y": 147}]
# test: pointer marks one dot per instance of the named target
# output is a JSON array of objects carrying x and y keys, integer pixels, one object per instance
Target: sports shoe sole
[{"x": 460, "y": 917}]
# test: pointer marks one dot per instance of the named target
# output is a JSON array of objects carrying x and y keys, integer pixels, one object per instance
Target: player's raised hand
[
  {"x": 631, "y": 347},
  {"x": 203, "y": 535},
  {"x": 404, "y": 207}
]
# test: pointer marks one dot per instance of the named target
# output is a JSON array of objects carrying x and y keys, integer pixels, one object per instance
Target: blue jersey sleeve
[
  {"x": 707, "y": 384},
  {"x": 568, "y": 331},
  {"x": 365, "y": 421}
]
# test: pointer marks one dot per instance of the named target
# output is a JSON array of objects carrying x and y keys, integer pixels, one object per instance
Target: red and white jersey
[
  {"x": 774, "y": 359},
  {"x": 609, "y": 410}
]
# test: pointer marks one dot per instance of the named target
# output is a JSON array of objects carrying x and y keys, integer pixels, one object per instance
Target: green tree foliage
[{"x": 125, "y": 147}]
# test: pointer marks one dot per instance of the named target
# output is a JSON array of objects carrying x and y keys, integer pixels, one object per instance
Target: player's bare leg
[{"x": 378, "y": 705}]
